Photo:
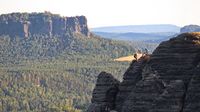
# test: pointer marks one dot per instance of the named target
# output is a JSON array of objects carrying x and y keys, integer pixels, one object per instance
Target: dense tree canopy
[{"x": 43, "y": 73}]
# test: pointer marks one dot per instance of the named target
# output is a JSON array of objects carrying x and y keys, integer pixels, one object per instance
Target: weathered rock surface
[
  {"x": 167, "y": 81},
  {"x": 192, "y": 102},
  {"x": 26, "y": 24},
  {"x": 131, "y": 77},
  {"x": 104, "y": 94}
]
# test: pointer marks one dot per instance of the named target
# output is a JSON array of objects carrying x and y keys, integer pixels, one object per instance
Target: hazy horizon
[{"x": 114, "y": 13}]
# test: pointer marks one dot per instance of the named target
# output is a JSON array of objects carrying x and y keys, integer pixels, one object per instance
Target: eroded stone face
[
  {"x": 42, "y": 23},
  {"x": 167, "y": 82},
  {"x": 104, "y": 94},
  {"x": 192, "y": 102},
  {"x": 131, "y": 77}
]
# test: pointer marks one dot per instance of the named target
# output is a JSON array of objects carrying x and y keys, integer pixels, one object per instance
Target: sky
[{"x": 114, "y": 12}]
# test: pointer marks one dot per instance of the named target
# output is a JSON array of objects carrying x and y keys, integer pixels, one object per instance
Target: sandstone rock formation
[
  {"x": 131, "y": 77},
  {"x": 167, "y": 81},
  {"x": 104, "y": 93},
  {"x": 26, "y": 24}
]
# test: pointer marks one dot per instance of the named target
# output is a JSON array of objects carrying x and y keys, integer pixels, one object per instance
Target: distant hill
[
  {"x": 131, "y": 36},
  {"x": 138, "y": 28},
  {"x": 145, "y": 33},
  {"x": 190, "y": 28}
]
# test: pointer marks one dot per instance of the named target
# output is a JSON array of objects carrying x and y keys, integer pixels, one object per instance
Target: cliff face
[
  {"x": 104, "y": 94},
  {"x": 25, "y": 24},
  {"x": 166, "y": 81}
]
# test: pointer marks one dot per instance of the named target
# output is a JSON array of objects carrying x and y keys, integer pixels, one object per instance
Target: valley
[
  {"x": 47, "y": 68},
  {"x": 51, "y": 63}
]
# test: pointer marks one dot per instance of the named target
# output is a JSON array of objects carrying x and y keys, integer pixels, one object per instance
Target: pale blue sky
[{"x": 114, "y": 12}]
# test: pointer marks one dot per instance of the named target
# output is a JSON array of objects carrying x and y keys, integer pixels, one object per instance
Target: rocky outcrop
[
  {"x": 77, "y": 25},
  {"x": 192, "y": 101},
  {"x": 27, "y": 24},
  {"x": 167, "y": 81},
  {"x": 190, "y": 28},
  {"x": 104, "y": 94},
  {"x": 131, "y": 77}
]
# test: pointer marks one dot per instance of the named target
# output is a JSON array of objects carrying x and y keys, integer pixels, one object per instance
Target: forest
[{"x": 56, "y": 73}]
